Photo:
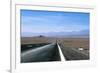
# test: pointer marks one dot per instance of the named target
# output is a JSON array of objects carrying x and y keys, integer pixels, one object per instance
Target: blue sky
[{"x": 35, "y": 21}]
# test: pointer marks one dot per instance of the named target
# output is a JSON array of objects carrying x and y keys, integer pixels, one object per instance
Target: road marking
[{"x": 61, "y": 54}]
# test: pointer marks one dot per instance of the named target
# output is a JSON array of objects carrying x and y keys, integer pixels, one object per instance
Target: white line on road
[{"x": 61, "y": 54}]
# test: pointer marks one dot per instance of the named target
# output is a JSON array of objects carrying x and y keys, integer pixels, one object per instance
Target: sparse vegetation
[{"x": 69, "y": 42}]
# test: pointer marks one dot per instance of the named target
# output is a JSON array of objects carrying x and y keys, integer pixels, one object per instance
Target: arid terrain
[
  {"x": 75, "y": 42},
  {"x": 69, "y": 42},
  {"x": 70, "y": 46},
  {"x": 37, "y": 40}
]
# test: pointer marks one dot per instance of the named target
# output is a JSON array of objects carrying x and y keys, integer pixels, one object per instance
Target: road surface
[
  {"x": 52, "y": 52},
  {"x": 73, "y": 54},
  {"x": 41, "y": 54}
]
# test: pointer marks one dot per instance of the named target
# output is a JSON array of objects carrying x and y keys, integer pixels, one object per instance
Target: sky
[{"x": 36, "y": 22}]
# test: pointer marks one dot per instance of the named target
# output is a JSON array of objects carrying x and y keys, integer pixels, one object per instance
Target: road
[
  {"x": 52, "y": 52},
  {"x": 73, "y": 54},
  {"x": 41, "y": 54}
]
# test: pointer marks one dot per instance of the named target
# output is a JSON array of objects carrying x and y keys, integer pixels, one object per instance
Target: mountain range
[{"x": 83, "y": 33}]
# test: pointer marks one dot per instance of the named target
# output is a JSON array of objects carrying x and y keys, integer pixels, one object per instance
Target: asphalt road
[
  {"x": 73, "y": 54},
  {"x": 41, "y": 54},
  {"x": 52, "y": 52}
]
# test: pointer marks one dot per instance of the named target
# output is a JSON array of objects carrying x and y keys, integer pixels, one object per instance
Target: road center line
[{"x": 61, "y": 54}]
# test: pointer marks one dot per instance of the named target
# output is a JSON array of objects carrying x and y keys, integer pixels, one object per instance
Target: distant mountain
[{"x": 83, "y": 33}]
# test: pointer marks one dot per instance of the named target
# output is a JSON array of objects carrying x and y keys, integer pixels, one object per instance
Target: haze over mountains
[{"x": 77, "y": 34}]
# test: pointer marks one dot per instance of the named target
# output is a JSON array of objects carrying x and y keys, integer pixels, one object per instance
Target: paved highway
[
  {"x": 41, "y": 54},
  {"x": 52, "y": 52},
  {"x": 73, "y": 54}
]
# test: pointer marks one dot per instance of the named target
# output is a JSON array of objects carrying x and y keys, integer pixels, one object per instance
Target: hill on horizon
[{"x": 83, "y": 33}]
